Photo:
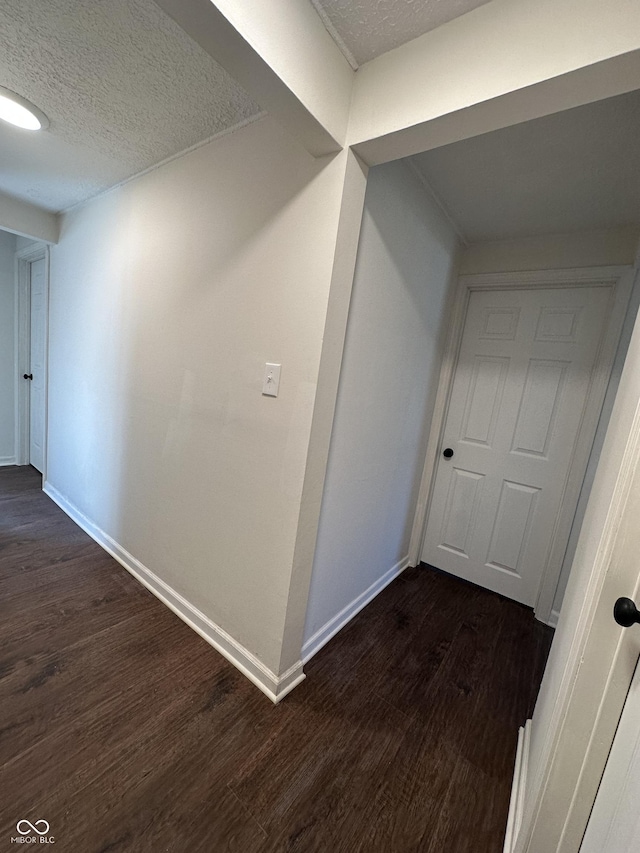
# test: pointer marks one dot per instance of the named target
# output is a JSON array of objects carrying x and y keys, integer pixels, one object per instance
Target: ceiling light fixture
[{"x": 19, "y": 111}]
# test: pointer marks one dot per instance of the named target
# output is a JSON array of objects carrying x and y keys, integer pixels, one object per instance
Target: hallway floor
[{"x": 125, "y": 731}]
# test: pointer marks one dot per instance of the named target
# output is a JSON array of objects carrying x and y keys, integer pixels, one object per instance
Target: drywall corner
[{"x": 347, "y": 237}]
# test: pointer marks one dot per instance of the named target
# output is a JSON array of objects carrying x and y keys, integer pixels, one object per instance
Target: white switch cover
[{"x": 271, "y": 379}]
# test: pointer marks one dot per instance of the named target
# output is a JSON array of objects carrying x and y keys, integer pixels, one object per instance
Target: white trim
[
  {"x": 592, "y": 659},
  {"x": 620, "y": 278},
  {"x": 518, "y": 787},
  {"x": 22, "y": 349},
  {"x": 7, "y": 460},
  {"x": 273, "y": 686},
  {"x": 508, "y": 836},
  {"x": 337, "y": 622},
  {"x": 552, "y": 621},
  {"x": 454, "y": 324},
  {"x": 21, "y": 358},
  {"x": 584, "y": 276}
]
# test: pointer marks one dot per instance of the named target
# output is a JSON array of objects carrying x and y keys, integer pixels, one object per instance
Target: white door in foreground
[
  {"x": 614, "y": 825},
  {"x": 517, "y": 402}
]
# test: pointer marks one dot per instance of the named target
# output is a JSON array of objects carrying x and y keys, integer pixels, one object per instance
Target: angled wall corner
[
  {"x": 344, "y": 260},
  {"x": 293, "y": 70}
]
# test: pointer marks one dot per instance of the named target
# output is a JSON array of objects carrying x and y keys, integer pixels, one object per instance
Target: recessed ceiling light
[{"x": 19, "y": 111}]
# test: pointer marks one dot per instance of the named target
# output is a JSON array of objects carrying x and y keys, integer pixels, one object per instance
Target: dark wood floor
[{"x": 126, "y": 732}]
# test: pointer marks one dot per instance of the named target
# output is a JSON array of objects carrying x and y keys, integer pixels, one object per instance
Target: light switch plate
[{"x": 271, "y": 379}]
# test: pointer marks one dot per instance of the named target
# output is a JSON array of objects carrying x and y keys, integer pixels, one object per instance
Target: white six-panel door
[
  {"x": 614, "y": 825},
  {"x": 517, "y": 402}
]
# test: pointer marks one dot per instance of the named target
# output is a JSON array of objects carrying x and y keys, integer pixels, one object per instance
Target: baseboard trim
[
  {"x": 335, "y": 624},
  {"x": 518, "y": 788},
  {"x": 7, "y": 460},
  {"x": 553, "y": 619},
  {"x": 274, "y": 686}
]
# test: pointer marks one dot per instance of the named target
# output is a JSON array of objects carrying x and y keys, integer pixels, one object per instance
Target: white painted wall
[
  {"x": 7, "y": 348},
  {"x": 167, "y": 296},
  {"x": 387, "y": 388},
  {"x": 487, "y": 69},
  {"x": 616, "y": 247}
]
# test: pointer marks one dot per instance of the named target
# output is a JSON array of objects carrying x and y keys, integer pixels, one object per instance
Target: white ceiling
[
  {"x": 364, "y": 29},
  {"x": 123, "y": 86},
  {"x": 577, "y": 170}
]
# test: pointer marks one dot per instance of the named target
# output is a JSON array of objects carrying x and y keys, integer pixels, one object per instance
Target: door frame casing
[
  {"x": 24, "y": 259},
  {"x": 620, "y": 279}
]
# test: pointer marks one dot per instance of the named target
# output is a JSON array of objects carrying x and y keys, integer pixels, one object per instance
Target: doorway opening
[
  {"x": 528, "y": 380},
  {"x": 32, "y": 310},
  {"x": 552, "y": 194}
]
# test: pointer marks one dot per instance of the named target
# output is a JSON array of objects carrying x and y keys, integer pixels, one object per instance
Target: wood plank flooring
[{"x": 125, "y": 731}]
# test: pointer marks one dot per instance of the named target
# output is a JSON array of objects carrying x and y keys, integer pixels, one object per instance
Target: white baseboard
[
  {"x": 331, "y": 628},
  {"x": 518, "y": 788},
  {"x": 7, "y": 460},
  {"x": 274, "y": 686},
  {"x": 553, "y": 619}
]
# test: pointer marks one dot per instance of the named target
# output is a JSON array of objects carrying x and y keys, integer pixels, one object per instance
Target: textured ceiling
[
  {"x": 123, "y": 86},
  {"x": 363, "y": 29},
  {"x": 576, "y": 170}
]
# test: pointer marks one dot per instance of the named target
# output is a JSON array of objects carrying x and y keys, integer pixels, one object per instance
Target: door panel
[
  {"x": 460, "y": 514},
  {"x": 483, "y": 402},
  {"x": 500, "y": 324},
  {"x": 539, "y": 404},
  {"x": 517, "y": 402},
  {"x": 614, "y": 825},
  {"x": 511, "y": 527},
  {"x": 557, "y": 325}
]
